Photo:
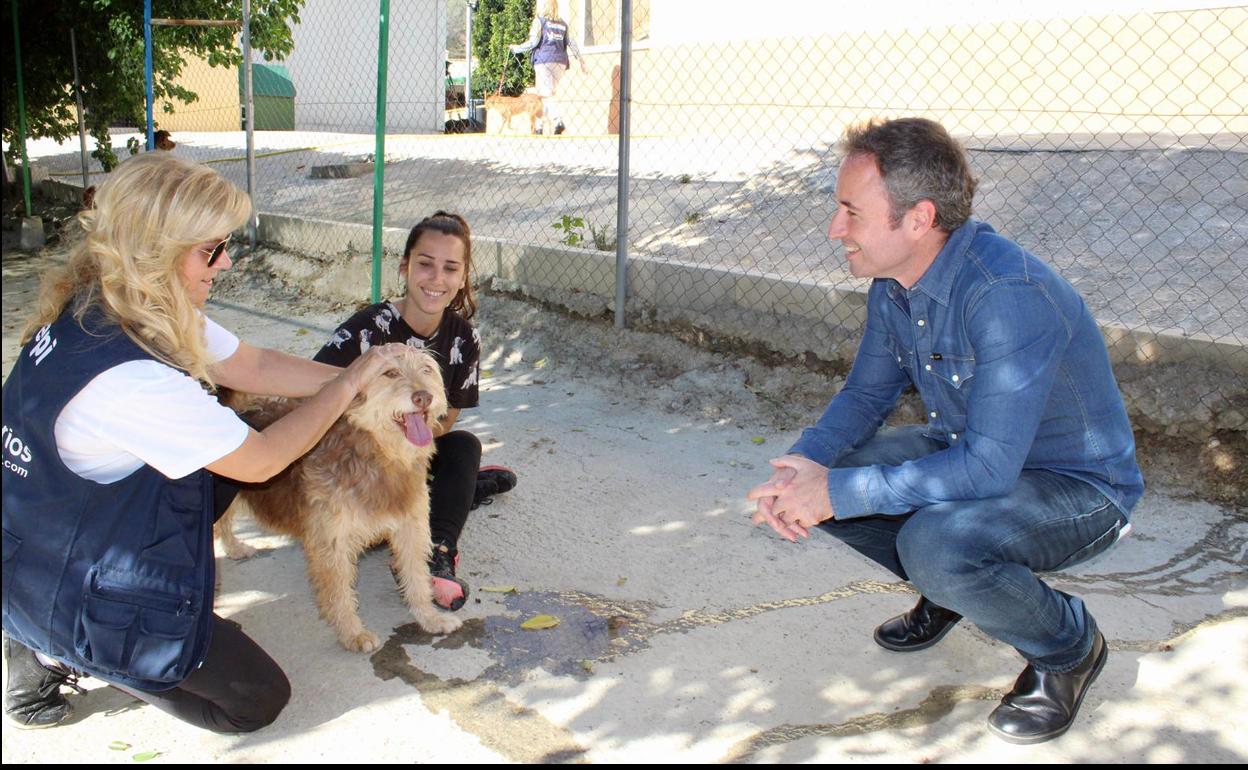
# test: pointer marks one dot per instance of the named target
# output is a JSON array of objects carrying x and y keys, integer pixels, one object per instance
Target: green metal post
[
  {"x": 21, "y": 109},
  {"x": 379, "y": 153}
]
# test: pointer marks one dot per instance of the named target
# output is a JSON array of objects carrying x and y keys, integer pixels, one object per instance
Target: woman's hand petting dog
[{"x": 368, "y": 367}]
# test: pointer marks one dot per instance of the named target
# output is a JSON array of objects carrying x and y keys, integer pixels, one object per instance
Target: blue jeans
[{"x": 979, "y": 557}]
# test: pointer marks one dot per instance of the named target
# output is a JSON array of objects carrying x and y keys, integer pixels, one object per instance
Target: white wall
[
  {"x": 334, "y": 66},
  {"x": 693, "y": 21}
]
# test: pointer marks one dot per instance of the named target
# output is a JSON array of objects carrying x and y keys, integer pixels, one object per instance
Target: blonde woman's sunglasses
[{"x": 215, "y": 253}]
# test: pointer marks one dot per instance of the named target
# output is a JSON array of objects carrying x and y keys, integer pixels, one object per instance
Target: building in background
[
  {"x": 334, "y": 66},
  {"x": 273, "y": 96},
  {"x": 713, "y": 67},
  {"x": 217, "y": 107}
]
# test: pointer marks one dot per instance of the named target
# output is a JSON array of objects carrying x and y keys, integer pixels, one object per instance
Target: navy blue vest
[
  {"x": 553, "y": 45},
  {"x": 113, "y": 579}
]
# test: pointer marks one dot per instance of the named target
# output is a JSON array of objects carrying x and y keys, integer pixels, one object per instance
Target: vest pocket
[
  {"x": 130, "y": 627},
  {"x": 104, "y": 627},
  {"x": 162, "y": 644}
]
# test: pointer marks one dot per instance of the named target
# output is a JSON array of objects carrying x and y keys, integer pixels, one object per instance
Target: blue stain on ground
[{"x": 591, "y": 629}]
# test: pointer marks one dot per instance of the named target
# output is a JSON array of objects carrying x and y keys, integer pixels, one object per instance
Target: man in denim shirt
[{"x": 1027, "y": 462}]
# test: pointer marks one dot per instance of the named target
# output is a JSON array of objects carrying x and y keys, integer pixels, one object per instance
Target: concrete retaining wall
[
  {"x": 1173, "y": 383},
  {"x": 782, "y": 314}
]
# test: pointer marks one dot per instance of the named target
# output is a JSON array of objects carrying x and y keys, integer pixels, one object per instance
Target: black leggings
[
  {"x": 237, "y": 689},
  {"x": 454, "y": 480}
]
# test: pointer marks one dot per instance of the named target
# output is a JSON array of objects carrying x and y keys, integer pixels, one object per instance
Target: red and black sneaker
[
  {"x": 449, "y": 592},
  {"x": 492, "y": 480}
]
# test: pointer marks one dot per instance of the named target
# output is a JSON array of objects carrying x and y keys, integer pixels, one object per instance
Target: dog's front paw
[
  {"x": 239, "y": 551},
  {"x": 365, "y": 641},
  {"x": 438, "y": 622}
]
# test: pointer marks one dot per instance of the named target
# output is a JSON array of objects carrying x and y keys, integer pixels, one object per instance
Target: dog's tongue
[{"x": 417, "y": 431}]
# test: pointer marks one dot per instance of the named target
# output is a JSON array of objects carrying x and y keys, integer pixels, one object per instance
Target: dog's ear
[{"x": 360, "y": 398}]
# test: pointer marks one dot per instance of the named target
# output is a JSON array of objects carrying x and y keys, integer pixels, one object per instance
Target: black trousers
[
  {"x": 452, "y": 484},
  {"x": 237, "y": 689}
]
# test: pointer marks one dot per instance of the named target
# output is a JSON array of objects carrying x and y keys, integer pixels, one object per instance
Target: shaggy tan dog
[
  {"x": 363, "y": 483},
  {"x": 508, "y": 107}
]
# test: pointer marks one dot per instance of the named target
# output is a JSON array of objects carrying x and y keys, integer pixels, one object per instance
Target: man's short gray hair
[{"x": 918, "y": 160}]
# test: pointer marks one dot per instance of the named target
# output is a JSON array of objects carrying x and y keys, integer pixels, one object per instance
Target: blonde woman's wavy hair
[
  {"x": 149, "y": 213},
  {"x": 549, "y": 9}
]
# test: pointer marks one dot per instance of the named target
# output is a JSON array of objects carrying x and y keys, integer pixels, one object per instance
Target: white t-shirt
[{"x": 145, "y": 412}]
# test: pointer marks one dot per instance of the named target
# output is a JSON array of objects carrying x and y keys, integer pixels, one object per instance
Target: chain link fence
[
  {"x": 1113, "y": 146},
  {"x": 209, "y": 123}
]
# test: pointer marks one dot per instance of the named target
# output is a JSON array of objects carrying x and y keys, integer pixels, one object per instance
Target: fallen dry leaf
[{"x": 540, "y": 622}]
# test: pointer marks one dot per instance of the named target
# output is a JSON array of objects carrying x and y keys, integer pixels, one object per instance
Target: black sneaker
[
  {"x": 492, "y": 480},
  {"x": 32, "y": 691},
  {"x": 449, "y": 592},
  {"x": 559, "y": 128}
]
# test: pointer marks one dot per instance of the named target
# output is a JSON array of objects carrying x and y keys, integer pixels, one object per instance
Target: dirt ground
[{"x": 685, "y": 634}]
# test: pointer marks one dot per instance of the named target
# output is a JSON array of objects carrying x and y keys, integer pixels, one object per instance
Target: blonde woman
[
  {"x": 549, "y": 41},
  {"x": 117, "y": 459}
]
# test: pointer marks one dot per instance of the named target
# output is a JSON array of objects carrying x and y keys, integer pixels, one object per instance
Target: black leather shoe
[
  {"x": 32, "y": 691},
  {"x": 1043, "y": 706},
  {"x": 917, "y": 629}
]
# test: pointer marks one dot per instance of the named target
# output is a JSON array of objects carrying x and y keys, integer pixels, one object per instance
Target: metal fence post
[
  {"x": 468, "y": 9},
  {"x": 621, "y": 215},
  {"x": 21, "y": 108},
  {"x": 147, "y": 69},
  {"x": 250, "y": 107},
  {"x": 82, "y": 127},
  {"x": 379, "y": 153}
]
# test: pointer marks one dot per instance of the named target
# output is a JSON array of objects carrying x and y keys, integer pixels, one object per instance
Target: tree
[
  {"x": 496, "y": 24},
  {"x": 109, "y": 37}
]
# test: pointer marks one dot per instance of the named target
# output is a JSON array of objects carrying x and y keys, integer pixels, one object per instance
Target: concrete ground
[{"x": 685, "y": 634}]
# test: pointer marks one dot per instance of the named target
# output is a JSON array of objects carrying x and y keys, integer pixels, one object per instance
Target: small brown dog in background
[
  {"x": 508, "y": 107},
  {"x": 164, "y": 140},
  {"x": 366, "y": 481}
]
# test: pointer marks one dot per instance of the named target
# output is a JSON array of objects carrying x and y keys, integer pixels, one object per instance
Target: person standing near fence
[
  {"x": 1027, "y": 462},
  {"x": 549, "y": 41}
]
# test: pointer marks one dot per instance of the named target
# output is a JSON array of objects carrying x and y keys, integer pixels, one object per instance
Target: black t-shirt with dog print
[{"x": 455, "y": 344}]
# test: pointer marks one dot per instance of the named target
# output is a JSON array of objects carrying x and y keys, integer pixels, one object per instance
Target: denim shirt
[{"x": 1013, "y": 374}]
